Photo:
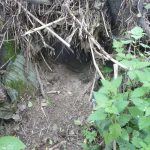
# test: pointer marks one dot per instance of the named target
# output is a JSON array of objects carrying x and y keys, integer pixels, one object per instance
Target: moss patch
[{"x": 10, "y": 51}]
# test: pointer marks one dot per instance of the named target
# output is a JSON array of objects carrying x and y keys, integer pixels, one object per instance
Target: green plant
[
  {"x": 90, "y": 136},
  {"x": 122, "y": 112},
  {"x": 11, "y": 143},
  {"x": 18, "y": 85},
  {"x": 147, "y": 6}
]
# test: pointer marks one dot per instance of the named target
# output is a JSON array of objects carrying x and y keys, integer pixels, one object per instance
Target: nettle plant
[{"x": 122, "y": 112}]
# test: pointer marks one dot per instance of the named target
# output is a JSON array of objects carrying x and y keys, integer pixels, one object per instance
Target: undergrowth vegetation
[{"x": 121, "y": 117}]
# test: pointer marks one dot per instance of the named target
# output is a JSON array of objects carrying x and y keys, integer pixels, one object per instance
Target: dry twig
[
  {"x": 57, "y": 145},
  {"x": 43, "y": 26},
  {"x": 94, "y": 62},
  {"x": 95, "y": 41},
  {"x": 50, "y": 30},
  {"x": 40, "y": 82}
]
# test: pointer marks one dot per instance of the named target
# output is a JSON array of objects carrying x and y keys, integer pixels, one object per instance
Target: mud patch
[{"x": 52, "y": 125}]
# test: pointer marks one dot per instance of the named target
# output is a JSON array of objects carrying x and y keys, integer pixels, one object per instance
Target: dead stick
[
  {"x": 57, "y": 145},
  {"x": 95, "y": 64},
  {"x": 94, "y": 41},
  {"x": 40, "y": 82},
  {"x": 50, "y": 30},
  {"x": 43, "y": 26}
]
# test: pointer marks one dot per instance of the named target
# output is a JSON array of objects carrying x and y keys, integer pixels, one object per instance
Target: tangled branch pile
[{"x": 75, "y": 24}]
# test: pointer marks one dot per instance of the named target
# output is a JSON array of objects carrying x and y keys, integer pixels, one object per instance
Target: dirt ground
[{"x": 50, "y": 124}]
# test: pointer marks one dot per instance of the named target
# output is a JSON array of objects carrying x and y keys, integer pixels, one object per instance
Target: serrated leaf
[
  {"x": 147, "y": 6},
  {"x": 115, "y": 131},
  {"x": 144, "y": 45},
  {"x": 125, "y": 135},
  {"x": 135, "y": 64},
  {"x": 121, "y": 105},
  {"x": 127, "y": 41},
  {"x": 100, "y": 99},
  {"x": 97, "y": 115},
  {"x": 144, "y": 122},
  {"x": 136, "y": 141},
  {"x": 90, "y": 135},
  {"x": 147, "y": 139},
  {"x": 143, "y": 75},
  {"x": 137, "y": 32},
  {"x": 135, "y": 112},
  {"x": 137, "y": 37},
  {"x": 11, "y": 143},
  {"x": 143, "y": 145},
  {"x": 139, "y": 92},
  {"x": 147, "y": 111},
  {"x": 113, "y": 85},
  {"x": 140, "y": 103},
  {"x": 124, "y": 119},
  {"x": 140, "y": 75},
  {"x": 108, "y": 138},
  {"x": 125, "y": 145},
  {"x": 103, "y": 126},
  {"x": 135, "y": 133},
  {"x": 118, "y": 45},
  {"x": 117, "y": 82},
  {"x": 107, "y": 85},
  {"x": 112, "y": 109},
  {"x": 103, "y": 90}
]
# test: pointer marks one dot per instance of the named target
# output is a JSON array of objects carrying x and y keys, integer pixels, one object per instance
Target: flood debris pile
[{"x": 66, "y": 31}]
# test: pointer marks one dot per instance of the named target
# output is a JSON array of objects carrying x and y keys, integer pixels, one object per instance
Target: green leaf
[
  {"x": 147, "y": 139},
  {"x": 125, "y": 135},
  {"x": 144, "y": 122},
  {"x": 107, "y": 70},
  {"x": 90, "y": 135},
  {"x": 139, "y": 92},
  {"x": 135, "y": 64},
  {"x": 103, "y": 126},
  {"x": 11, "y": 143},
  {"x": 107, "y": 84},
  {"x": 108, "y": 138},
  {"x": 113, "y": 85},
  {"x": 121, "y": 105},
  {"x": 125, "y": 145},
  {"x": 147, "y": 111},
  {"x": 147, "y": 6},
  {"x": 143, "y": 75},
  {"x": 118, "y": 45},
  {"x": 135, "y": 112},
  {"x": 137, "y": 32},
  {"x": 140, "y": 103},
  {"x": 140, "y": 75},
  {"x": 100, "y": 99},
  {"x": 117, "y": 82},
  {"x": 97, "y": 115},
  {"x": 112, "y": 109},
  {"x": 124, "y": 119},
  {"x": 144, "y": 145},
  {"x": 115, "y": 130},
  {"x": 144, "y": 45},
  {"x": 136, "y": 141},
  {"x": 126, "y": 41}
]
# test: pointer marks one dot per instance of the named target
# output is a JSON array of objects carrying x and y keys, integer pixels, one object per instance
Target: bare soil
[{"x": 49, "y": 124}]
